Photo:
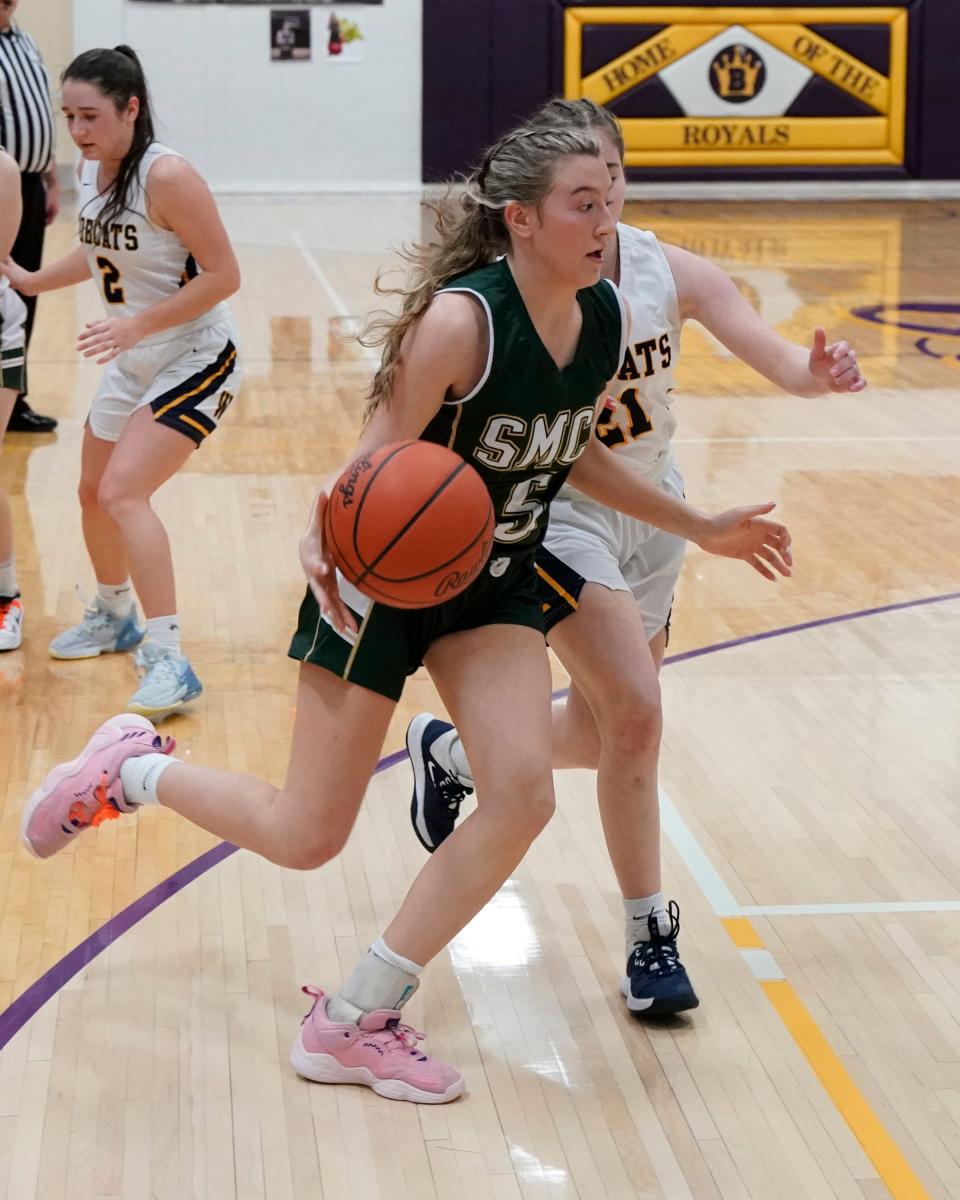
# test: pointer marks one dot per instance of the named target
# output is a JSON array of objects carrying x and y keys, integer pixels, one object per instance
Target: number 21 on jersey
[{"x": 626, "y": 419}]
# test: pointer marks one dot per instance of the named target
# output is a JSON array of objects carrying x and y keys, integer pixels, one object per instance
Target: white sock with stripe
[
  {"x": 635, "y": 916},
  {"x": 141, "y": 775}
]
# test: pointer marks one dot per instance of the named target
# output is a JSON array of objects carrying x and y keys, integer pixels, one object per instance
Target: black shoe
[
  {"x": 437, "y": 795},
  {"x": 24, "y": 420},
  {"x": 656, "y": 982}
]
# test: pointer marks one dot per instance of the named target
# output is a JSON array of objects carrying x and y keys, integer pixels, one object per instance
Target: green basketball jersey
[{"x": 526, "y": 422}]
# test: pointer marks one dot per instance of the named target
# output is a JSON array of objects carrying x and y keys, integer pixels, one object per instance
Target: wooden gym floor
[{"x": 811, "y": 776}]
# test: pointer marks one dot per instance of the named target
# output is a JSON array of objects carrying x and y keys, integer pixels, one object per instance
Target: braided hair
[{"x": 470, "y": 230}]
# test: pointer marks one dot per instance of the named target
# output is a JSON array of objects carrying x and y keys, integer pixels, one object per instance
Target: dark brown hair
[{"x": 117, "y": 73}]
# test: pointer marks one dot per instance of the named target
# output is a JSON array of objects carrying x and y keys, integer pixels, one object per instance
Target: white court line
[
  {"x": 340, "y": 309},
  {"x": 336, "y": 300},
  {"x": 762, "y": 964},
  {"x": 695, "y": 859},
  {"x": 724, "y": 903}
]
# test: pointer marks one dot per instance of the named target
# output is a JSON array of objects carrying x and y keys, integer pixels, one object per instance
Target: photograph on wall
[
  {"x": 344, "y": 39},
  {"x": 290, "y": 34},
  {"x": 265, "y": 3}
]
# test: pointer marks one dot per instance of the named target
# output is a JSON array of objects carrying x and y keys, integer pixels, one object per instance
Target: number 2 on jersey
[{"x": 112, "y": 291}]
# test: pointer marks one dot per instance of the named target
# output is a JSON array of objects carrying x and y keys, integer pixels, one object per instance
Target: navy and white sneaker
[
  {"x": 437, "y": 794},
  {"x": 656, "y": 981}
]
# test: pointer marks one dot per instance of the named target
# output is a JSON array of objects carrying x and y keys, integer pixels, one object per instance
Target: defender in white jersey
[
  {"x": 153, "y": 242},
  {"x": 600, "y": 570},
  {"x": 12, "y": 370},
  {"x": 586, "y": 541}
]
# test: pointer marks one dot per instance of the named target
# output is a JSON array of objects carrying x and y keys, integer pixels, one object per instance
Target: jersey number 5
[
  {"x": 526, "y": 509},
  {"x": 112, "y": 291}
]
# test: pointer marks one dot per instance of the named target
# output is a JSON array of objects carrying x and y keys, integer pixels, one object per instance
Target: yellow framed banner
[{"x": 697, "y": 86}]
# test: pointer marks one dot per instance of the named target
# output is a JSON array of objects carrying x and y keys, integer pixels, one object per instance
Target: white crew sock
[
  {"x": 116, "y": 598},
  {"x": 635, "y": 914},
  {"x": 448, "y": 750},
  {"x": 165, "y": 632},
  {"x": 141, "y": 775},
  {"x": 8, "y": 577},
  {"x": 381, "y": 979}
]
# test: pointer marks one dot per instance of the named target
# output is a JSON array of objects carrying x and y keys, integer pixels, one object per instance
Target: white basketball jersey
[
  {"x": 134, "y": 262},
  {"x": 640, "y": 422}
]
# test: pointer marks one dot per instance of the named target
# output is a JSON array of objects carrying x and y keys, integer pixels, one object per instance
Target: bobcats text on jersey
[
  {"x": 92, "y": 233},
  {"x": 643, "y": 358}
]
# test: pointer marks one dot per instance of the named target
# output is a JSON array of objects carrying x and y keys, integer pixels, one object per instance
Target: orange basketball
[{"x": 410, "y": 524}]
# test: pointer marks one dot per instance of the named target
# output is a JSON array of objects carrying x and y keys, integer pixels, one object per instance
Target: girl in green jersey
[{"x": 540, "y": 199}]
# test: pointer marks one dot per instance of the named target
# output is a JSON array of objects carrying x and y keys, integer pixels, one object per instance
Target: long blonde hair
[{"x": 470, "y": 230}]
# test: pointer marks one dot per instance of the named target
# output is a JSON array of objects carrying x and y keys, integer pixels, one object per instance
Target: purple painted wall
[{"x": 488, "y": 62}]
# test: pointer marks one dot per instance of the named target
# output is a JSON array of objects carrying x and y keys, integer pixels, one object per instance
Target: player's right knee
[
  {"x": 521, "y": 799},
  {"x": 632, "y": 723}
]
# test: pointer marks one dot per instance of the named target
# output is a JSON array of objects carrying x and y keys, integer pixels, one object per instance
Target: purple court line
[{"x": 29, "y": 1002}]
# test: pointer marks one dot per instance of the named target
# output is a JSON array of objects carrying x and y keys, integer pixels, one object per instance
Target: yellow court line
[
  {"x": 893, "y": 1169},
  {"x": 742, "y": 933}
]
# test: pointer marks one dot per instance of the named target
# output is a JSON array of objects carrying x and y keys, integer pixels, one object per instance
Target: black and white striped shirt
[{"x": 26, "y": 119}]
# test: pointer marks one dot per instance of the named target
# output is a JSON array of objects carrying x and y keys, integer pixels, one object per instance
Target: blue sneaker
[
  {"x": 656, "y": 981},
  {"x": 167, "y": 682},
  {"x": 437, "y": 794},
  {"x": 100, "y": 632}
]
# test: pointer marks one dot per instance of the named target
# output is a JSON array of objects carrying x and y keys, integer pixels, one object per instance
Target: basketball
[{"x": 410, "y": 524}]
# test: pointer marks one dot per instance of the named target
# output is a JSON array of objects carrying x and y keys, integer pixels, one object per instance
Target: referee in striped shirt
[{"x": 26, "y": 133}]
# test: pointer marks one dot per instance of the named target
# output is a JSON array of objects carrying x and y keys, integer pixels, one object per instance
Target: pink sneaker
[
  {"x": 379, "y": 1052},
  {"x": 86, "y": 791}
]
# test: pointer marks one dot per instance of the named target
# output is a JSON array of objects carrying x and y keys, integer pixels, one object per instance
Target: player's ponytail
[
  {"x": 119, "y": 76},
  {"x": 470, "y": 230}
]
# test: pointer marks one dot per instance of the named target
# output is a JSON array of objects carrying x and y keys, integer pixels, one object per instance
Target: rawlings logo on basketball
[
  {"x": 456, "y": 581},
  {"x": 348, "y": 488}
]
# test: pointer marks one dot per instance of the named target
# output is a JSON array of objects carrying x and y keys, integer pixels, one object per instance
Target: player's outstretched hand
[
  {"x": 835, "y": 365},
  {"x": 745, "y": 533},
  {"x": 320, "y": 571}
]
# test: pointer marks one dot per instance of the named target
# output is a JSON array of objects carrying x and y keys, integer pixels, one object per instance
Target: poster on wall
[
  {"x": 777, "y": 86},
  {"x": 290, "y": 34},
  {"x": 344, "y": 39}
]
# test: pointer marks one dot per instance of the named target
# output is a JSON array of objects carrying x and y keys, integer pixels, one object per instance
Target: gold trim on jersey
[
  {"x": 221, "y": 372},
  {"x": 557, "y": 587},
  {"x": 356, "y": 644}
]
